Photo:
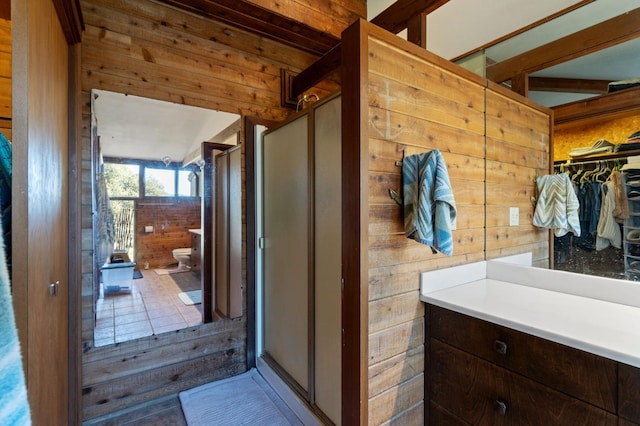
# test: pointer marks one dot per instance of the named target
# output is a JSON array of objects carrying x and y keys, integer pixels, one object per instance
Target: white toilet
[{"x": 183, "y": 256}]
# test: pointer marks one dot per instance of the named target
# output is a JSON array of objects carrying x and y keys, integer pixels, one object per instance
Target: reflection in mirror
[
  {"x": 593, "y": 147},
  {"x": 148, "y": 202},
  {"x": 581, "y": 75},
  {"x": 594, "y": 242}
]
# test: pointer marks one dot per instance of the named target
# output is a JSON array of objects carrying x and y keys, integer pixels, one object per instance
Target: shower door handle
[{"x": 53, "y": 288}]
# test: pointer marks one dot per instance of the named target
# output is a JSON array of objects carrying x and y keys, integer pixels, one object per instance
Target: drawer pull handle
[
  {"x": 500, "y": 347},
  {"x": 500, "y": 406}
]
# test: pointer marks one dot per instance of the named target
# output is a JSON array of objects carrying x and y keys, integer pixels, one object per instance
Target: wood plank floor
[{"x": 163, "y": 412}]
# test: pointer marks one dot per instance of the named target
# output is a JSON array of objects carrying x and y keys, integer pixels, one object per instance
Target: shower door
[
  {"x": 286, "y": 250},
  {"x": 301, "y": 255}
]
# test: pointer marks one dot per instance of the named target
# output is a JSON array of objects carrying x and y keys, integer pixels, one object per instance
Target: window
[
  {"x": 187, "y": 183},
  {"x": 123, "y": 180},
  {"x": 159, "y": 182}
]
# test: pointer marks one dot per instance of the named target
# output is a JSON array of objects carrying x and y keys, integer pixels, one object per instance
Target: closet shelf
[{"x": 601, "y": 156}]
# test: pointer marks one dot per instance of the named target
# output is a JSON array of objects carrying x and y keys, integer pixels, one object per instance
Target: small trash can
[{"x": 117, "y": 277}]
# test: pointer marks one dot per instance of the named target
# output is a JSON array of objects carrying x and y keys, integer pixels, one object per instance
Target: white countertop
[{"x": 597, "y": 315}]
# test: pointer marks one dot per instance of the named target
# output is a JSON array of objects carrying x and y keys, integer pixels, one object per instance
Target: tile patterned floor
[{"x": 152, "y": 307}]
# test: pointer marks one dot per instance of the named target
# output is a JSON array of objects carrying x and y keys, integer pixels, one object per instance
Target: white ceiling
[{"x": 134, "y": 127}]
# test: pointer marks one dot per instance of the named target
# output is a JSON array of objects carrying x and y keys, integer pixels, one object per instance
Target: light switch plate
[{"x": 514, "y": 216}]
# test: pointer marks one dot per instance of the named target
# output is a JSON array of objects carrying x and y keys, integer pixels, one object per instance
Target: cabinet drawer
[
  {"x": 580, "y": 374},
  {"x": 441, "y": 417},
  {"x": 482, "y": 393},
  {"x": 629, "y": 393}
]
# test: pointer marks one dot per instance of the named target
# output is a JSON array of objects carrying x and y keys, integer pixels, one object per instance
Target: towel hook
[
  {"x": 306, "y": 99},
  {"x": 395, "y": 196}
]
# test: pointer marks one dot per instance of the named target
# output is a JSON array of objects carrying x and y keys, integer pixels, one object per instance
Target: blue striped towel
[
  {"x": 14, "y": 407},
  {"x": 429, "y": 206}
]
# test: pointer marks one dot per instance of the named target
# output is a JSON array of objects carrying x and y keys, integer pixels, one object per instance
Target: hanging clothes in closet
[{"x": 598, "y": 186}]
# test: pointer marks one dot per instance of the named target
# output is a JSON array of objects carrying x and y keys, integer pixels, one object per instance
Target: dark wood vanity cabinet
[
  {"x": 629, "y": 394},
  {"x": 482, "y": 373}
]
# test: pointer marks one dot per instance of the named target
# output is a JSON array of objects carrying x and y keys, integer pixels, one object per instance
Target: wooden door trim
[
  {"x": 250, "y": 211},
  {"x": 208, "y": 156},
  {"x": 70, "y": 16},
  {"x": 354, "y": 226},
  {"x": 75, "y": 235}
]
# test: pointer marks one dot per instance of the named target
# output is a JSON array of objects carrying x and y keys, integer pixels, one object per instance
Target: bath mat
[
  {"x": 252, "y": 399},
  {"x": 186, "y": 282},
  {"x": 191, "y": 297}
]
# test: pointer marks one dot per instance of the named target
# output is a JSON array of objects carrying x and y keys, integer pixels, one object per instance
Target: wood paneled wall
[
  {"x": 5, "y": 77},
  {"x": 494, "y": 143},
  {"x": 518, "y": 145},
  {"x": 138, "y": 371},
  {"x": 148, "y": 49},
  {"x": 171, "y": 220},
  {"x": 330, "y": 16},
  {"x": 416, "y": 107}
]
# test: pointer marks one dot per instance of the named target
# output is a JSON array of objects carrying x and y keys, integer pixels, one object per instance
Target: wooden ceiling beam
[
  {"x": 417, "y": 30},
  {"x": 258, "y": 20},
  {"x": 617, "y": 104},
  {"x": 397, "y": 17},
  {"x": 520, "y": 84},
  {"x": 547, "y": 84},
  {"x": 315, "y": 72},
  {"x": 597, "y": 37}
]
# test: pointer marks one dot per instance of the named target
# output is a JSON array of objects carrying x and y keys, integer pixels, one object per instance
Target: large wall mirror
[
  {"x": 149, "y": 194},
  {"x": 563, "y": 70}
]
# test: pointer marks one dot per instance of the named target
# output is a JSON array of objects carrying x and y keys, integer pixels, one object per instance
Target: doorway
[{"x": 148, "y": 193}]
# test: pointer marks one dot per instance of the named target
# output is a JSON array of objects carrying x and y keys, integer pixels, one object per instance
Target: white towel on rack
[{"x": 557, "y": 206}]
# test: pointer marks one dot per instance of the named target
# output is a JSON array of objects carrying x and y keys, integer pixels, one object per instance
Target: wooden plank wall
[
  {"x": 416, "y": 107},
  {"x": 518, "y": 149},
  {"x": 171, "y": 220},
  {"x": 147, "y": 49},
  {"x": 330, "y": 16},
  {"x": 425, "y": 104},
  {"x": 5, "y": 78}
]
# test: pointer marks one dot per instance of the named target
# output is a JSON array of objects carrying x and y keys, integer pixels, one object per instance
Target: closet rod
[{"x": 580, "y": 163}]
